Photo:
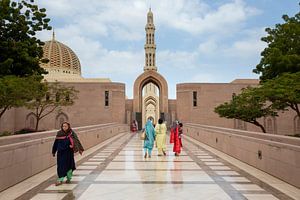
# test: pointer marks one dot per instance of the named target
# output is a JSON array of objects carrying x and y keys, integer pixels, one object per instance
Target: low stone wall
[
  {"x": 275, "y": 155},
  {"x": 23, "y": 156}
]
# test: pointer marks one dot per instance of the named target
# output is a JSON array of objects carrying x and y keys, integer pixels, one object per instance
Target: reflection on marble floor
[{"x": 119, "y": 171}]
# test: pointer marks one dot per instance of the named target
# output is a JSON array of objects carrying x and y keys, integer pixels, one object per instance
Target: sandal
[
  {"x": 68, "y": 181},
  {"x": 58, "y": 183}
]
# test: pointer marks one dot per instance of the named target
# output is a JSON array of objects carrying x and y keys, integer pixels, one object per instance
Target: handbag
[{"x": 143, "y": 135}]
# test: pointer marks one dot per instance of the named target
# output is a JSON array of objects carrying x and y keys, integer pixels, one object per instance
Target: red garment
[
  {"x": 133, "y": 127},
  {"x": 172, "y": 136},
  {"x": 177, "y": 141}
]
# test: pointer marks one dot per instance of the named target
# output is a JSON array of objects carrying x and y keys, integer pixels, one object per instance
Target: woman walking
[
  {"x": 176, "y": 138},
  {"x": 161, "y": 135},
  {"x": 149, "y": 139},
  {"x": 133, "y": 126},
  {"x": 66, "y": 144}
]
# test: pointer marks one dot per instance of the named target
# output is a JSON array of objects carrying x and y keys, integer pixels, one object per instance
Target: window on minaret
[
  {"x": 150, "y": 63},
  {"x": 147, "y": 38},
  {"x": 146, "y": 59},
  {"x": 154, "y": 58},
  {"x": 153, "y": 38}
]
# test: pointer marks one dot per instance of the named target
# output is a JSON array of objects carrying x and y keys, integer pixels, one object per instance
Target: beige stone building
[
  {"x": 103, "y": 101},
  {"x": 99, "y": 99}
]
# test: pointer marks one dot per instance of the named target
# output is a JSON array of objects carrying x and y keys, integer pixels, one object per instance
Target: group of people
[
  {"x": 66, "y": 143},
  {"x": 158, "y": 135}
]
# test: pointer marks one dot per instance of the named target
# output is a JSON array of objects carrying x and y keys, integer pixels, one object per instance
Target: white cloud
[
  {"x": 177, "y": 59},
  {"x": 249, "y": 46},
  {"x": 208, "y": 47},
  {"x": 203, "y": 78},
  {"x": 125, "y": 18},
  {"x": 88, "y": 27}
]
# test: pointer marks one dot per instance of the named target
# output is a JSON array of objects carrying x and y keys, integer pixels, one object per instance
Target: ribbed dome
[{"x": 62, "y": 60}]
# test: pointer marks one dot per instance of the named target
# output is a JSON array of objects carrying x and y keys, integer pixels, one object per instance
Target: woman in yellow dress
[{"x": 161, "y": 137}]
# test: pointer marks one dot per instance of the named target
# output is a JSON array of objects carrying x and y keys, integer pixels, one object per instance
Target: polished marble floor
[{"x": 119, "y": 171}]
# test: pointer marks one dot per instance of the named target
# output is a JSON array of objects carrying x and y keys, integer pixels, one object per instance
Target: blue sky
[{"x": 197, "y": 40}]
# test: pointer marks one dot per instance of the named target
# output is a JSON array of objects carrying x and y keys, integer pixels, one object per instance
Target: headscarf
[
  {"x": 61, "y": 132},
  {"x": 74, "y": 140}
]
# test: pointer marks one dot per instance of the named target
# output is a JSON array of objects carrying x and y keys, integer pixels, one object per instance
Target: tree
[
  {"x": 21, "y": 52},
  {"x": 14, "y": 91},
  {"x": 283, "y": 51},
  {"x": 48, "y": 97},
  {"x": 248, "y": 106},
  {"x": 283, "y": 91}
]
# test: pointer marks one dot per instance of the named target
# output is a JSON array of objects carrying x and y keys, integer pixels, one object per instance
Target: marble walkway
[{"x": 118, "y": 170}]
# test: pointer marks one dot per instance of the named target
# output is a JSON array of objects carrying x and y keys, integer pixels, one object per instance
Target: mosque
[
  {"x": 102, "y": 101},
  {"x": 220, "y": 159}
]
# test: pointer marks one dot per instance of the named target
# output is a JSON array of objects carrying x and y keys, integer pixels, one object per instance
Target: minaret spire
[
  {"x": 53, "y": 35},
  {"x": 150, "y": 47}
]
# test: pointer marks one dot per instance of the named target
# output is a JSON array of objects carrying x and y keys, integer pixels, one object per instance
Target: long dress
[
  {"x": 65, "y": 156},
  {"x": 133, "y": 127},
  {"x": 150, "y": 137},
  {"x": 161, "y": 135},
  {"x": 176, "y": 140}
]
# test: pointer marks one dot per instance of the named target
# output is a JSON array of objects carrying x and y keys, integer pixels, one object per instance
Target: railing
[
  {"x": 22, "y": 156},
  {"x": 273, "y": 154}
]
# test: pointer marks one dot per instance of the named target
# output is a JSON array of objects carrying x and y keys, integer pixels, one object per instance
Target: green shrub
[
  {"x": 5, "y": 133},
  {"x": 24, "y": 131}
]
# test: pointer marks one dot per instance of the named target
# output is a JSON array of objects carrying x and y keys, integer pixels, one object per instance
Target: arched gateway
[{"x": 150, "y": 75}]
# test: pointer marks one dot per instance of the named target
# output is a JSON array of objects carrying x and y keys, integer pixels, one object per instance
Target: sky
[{"x": 205, "y": 41}]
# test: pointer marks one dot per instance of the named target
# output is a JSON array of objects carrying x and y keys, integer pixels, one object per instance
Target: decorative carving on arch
[
  {"x": 296, "y": 124},
  {"x": 270, "y": 125},
  {"x": 60, "y": 118},
  {"x": 30, "y": 121},
  {"x": 239, "y": 124},
  {"x": 155, "y": 78},
  {"x": 150, "y": 102},
  {"x": 150, "y": 98}
]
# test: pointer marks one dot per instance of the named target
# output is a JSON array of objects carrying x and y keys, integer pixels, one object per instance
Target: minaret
[{"x": 150, "y": 46}]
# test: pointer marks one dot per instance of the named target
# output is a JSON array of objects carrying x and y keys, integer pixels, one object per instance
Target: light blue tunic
[{"x": 150, "y": 135}]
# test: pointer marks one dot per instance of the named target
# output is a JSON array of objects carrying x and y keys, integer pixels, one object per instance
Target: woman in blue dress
[
  {"x": 149, "y": 139},
  {"x": 66, "y": 144}
]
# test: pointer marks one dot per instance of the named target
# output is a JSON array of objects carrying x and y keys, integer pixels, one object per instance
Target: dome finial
[{"x": 53, "y": 35}]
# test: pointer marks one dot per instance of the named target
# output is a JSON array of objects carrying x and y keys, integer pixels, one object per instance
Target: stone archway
[
  {"x": 60, "y": 118},
  {"x": 30, "y": 121},
  {"x": 141, "y": 81},
  {"x": 150, "y": 108},
  {"x": 159, "y": 81}
]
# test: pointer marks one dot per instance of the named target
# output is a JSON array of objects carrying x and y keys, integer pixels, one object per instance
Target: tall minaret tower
[{"x": 150, "y": 46}]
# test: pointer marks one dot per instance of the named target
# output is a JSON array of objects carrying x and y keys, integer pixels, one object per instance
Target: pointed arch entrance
[{"x": 162, "y": 85}]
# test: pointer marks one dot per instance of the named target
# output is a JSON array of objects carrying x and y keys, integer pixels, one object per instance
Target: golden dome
[{"x": 62, "y": 60}]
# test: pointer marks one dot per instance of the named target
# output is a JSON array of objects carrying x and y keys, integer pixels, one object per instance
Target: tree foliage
[
  {"x": 20, "y": 51},
  {"x": 248, "y": 106},
  {"x": 283, "y": 51},
  {"x": 283, "y": 92},
  {"x": 48, "y": 97},
  {"x": 14, "y": 91}
]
